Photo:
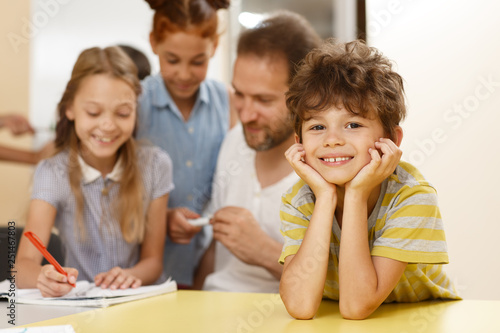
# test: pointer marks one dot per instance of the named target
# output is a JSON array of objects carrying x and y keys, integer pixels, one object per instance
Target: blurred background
[{"x": 447, "y": 52}]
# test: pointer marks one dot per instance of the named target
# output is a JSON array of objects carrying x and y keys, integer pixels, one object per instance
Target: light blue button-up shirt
[{"x": 193, "y": 146}]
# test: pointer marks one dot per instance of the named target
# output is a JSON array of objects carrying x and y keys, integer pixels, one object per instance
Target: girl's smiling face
[
  {"x": 104, "y": 113},
  {"x": 184, "y": 59},
  {"x": 336, "y": 143}
]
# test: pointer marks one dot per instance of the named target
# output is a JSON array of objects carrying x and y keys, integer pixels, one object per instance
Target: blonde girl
[{"x": 105, "y": 195}]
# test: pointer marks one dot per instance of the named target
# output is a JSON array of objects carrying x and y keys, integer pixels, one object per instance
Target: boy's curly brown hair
[{"x": 351, "y": 75}]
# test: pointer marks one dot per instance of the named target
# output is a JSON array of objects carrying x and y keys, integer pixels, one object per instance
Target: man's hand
[{"x": 237, "y": 229}]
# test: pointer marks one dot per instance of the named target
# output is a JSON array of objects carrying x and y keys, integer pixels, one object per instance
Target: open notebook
[{"x": 87, "y": 294}]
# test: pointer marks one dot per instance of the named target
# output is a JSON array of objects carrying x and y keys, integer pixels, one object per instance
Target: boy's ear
[
  {"x": 153, "y": 43},
  {"x": 398, "y": 133},
  {"x": 297, "y": 139}
]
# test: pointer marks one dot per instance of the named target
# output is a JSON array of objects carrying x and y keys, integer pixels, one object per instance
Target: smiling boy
[{"x": 361, "y": 226}]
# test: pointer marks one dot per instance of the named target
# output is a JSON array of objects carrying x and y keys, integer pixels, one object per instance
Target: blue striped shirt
[{"x": 103, "y": 247}]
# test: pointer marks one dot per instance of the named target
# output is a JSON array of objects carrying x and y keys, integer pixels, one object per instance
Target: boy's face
[{"x": 336, "y": 143}]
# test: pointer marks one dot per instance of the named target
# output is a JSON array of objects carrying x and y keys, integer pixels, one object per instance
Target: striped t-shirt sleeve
[
  {"x": 411, "y": 230},
  {"x": 296, "y": 209}
]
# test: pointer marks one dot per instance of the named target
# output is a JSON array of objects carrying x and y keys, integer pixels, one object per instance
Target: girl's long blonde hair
[{"x": 128, "y": 206}]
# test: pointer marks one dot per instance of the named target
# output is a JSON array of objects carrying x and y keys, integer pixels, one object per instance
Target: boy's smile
[
  {"x": 336, "y": 160},
  {"x": 337, "y": 141}
]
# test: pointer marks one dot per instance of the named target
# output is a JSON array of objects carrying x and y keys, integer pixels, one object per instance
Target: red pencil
[{"x": 38, "y": 244}]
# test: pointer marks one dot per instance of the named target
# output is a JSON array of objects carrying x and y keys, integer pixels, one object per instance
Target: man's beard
[{"x": 271, "y": 138}]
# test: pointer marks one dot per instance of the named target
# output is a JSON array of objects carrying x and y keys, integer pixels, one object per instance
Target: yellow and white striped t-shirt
[{"x": 405, "y": 225}]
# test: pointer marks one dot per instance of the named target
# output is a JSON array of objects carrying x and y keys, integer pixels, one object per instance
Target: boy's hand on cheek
[
  {"x": 379, "y": 168},
  {"x": 296, "y": 157}
]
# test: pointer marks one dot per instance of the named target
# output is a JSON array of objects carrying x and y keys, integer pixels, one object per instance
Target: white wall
[
  {"x": 448, "y": 52},
  {"x": 61, "y": 29}
]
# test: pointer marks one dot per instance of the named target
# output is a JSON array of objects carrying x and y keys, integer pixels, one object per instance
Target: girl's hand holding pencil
[{"x": 53, "y": 280}]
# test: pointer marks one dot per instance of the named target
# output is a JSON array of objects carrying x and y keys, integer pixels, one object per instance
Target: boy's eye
[
  {"x": 317, "y": 127},
  {"x": 172, "y": 61},
  {"x": 353, "y": 125}
]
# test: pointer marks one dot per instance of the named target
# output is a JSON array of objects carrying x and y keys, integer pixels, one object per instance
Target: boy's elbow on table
[
  {"x": 300, "y": 309},
  {"x": 301, "y": 312},
  {"x": 355, "y": 310}
]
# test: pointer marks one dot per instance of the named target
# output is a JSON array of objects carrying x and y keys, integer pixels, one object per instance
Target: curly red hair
[{"x": 186, "y": 15}]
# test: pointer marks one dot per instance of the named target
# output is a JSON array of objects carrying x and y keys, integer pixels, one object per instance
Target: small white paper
[{"x": 40, "y": 329}]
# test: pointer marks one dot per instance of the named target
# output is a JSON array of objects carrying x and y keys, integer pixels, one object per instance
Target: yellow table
[{"x": 201, "y": 311}]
